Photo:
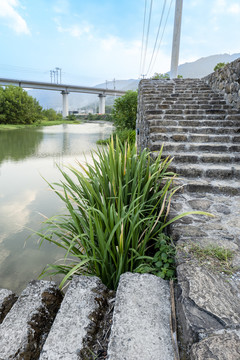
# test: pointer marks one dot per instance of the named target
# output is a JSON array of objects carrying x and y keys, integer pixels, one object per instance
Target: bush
[
  {"x": 17, "y": 107},
  {"x": 219, "y": 66},
  {"x": 51, "y": 115},
  {"x": 117, "y": 209},
  {"x": 125, "y": 111}
]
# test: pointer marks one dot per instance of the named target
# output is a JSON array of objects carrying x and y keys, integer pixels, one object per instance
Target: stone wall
[{"x": 227, "y": 82}]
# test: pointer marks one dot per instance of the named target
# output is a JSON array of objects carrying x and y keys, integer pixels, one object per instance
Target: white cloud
[
  {"x": 234, "y": 9},
  {"x": 13, "y": 19},
  {"x": 75, "y": 30},
  {"x": 61, "y": 6},
  {"x": 226, "y": 7}
]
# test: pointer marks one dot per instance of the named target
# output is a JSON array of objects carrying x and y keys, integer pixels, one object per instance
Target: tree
[
  {"x": 51, "y": 115},
  {"x": 157, "y": 76},
  {"x": 219, "y": 66},
  {"x": 125, "y": 110},
  {"x": 17, "y": 107}
]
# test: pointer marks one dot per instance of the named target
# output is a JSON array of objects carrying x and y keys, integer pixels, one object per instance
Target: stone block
[
  {"x": 222, "y": 346},
  {"x": 206, "y": 301},
  {"x": 7, "y": 299},
  {"x": 141, "y": 319},
  {"x": 77, "y": 321},
  {"x": 24, "y": 328}
]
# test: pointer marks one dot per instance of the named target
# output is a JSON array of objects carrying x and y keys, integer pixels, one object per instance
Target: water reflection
[
  {"x": 20, "y": 144},
  {"x": 24, "y": 195}
]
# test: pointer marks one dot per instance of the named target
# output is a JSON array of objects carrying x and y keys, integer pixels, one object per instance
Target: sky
[{"x": 97, "y": 40}]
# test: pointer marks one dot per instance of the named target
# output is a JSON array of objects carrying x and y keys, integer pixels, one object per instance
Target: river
[{"x": 27, "y": 157}]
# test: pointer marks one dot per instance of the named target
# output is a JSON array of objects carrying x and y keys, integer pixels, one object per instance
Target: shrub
[
  {"x": 219, "y": 66},
  {"x": 125, "y": 111}
]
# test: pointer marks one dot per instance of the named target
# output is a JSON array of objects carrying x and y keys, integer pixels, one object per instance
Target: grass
[
  {"x": 42, "y": 123},
  {"x": 216, "y": 257},
  {"x": 116, "y": 214}
]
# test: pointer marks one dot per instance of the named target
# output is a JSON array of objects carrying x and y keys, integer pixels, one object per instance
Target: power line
[
  {"x": 162, "y": 35},
  {"x": 159, "y": 27},
  {"x": 144, "y": 20},
  {"x": 148, "y": 28}
]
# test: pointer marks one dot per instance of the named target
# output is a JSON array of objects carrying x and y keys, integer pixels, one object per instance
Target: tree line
[{"x": 17, "y": 107}]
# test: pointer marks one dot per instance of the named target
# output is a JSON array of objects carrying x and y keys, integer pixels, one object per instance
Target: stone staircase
[
  {"x": 197, "y": 128},
  {"x": 202, "y": 134}
]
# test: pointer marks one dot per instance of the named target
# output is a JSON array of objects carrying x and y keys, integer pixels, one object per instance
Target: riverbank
[{"x": 42, "y": 123}]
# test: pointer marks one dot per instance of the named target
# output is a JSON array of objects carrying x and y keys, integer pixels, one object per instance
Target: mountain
[
  {"x": 204, "y": 66},
  {"x": 195, "y": 69}
]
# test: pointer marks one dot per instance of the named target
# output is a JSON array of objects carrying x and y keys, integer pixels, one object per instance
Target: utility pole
[
  {"x": 54, "y": 76},
  {"x": 57, "y": 74},
  {"x": 51, "y": 75},
  {"x": 60, "y": 71},
  {"x": 176, "y": 39},
  {"x": 106, "y": 84}
]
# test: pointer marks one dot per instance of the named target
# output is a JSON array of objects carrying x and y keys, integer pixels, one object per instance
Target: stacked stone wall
[{"x": 227, "y": 82}]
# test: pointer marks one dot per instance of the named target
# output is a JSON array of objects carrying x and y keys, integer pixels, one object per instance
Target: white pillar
[
  {"x": 176, "y": 39},
  {"x": 65, "y": 103},
  {"x": 102, "y": 99}
]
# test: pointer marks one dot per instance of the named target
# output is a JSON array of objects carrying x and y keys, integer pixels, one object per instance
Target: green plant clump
[
  {"x": 117, "y": 210},
  {"x": 219, "y": 66}
]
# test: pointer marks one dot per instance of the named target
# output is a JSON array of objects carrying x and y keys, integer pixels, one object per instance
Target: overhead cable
[
  {"x": 159, "y": 27},
  {"x": 143, "y": 33},
  {"x": 162, "y": 35},
  {"x": 146, "y": 44}
]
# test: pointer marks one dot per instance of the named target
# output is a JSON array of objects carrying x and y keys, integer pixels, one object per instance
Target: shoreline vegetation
[{"x": 43, "y": 123}]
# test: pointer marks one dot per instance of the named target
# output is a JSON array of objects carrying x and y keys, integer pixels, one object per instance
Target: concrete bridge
[{"x": 65, "y": 90}]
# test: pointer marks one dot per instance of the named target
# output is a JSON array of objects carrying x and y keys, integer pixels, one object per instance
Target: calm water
[{"x": 26, "y": 157}]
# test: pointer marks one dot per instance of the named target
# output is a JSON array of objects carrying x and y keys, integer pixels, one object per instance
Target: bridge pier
[
  {"x": 65, "y": 103},
  {"x": 102, "y": 99}
]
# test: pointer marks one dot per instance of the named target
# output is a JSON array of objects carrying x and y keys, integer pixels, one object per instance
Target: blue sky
[{"x": 97, "y": 40}]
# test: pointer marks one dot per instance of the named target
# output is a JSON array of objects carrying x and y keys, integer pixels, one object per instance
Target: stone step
[
  {"x": 81, "y": 315},
  {"x": 173, "y": 147},
  {"x": 195, "y": 138},
  {"x": 217, "y": 171},
  {"x": 24, "y": 328},
  {"x": 201, "y": 158},
  {"x": 187, "y": 117},
  {"x": 211, "y": 186},
  {"x": 197, "y": 130},
  {"x": 141, "y": 319},
  {"x": 157, "y": 121}
]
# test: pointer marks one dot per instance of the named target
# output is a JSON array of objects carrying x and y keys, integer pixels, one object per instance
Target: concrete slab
[
  {"x": 76, "y": 323},
  {"x": 24, "y": 328},
  {"x": 141, "y": 319}
]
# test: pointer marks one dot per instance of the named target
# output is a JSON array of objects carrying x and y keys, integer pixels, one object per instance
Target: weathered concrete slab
[
  {"x": 23, "y": 330},
  {"x": 206, "y": 302},
  {"x": 77, "y": 320},
  {"x": 7, "y": 299},
  {"x": 141, "y": 319},
  {"x": 223, "y": 346}
]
